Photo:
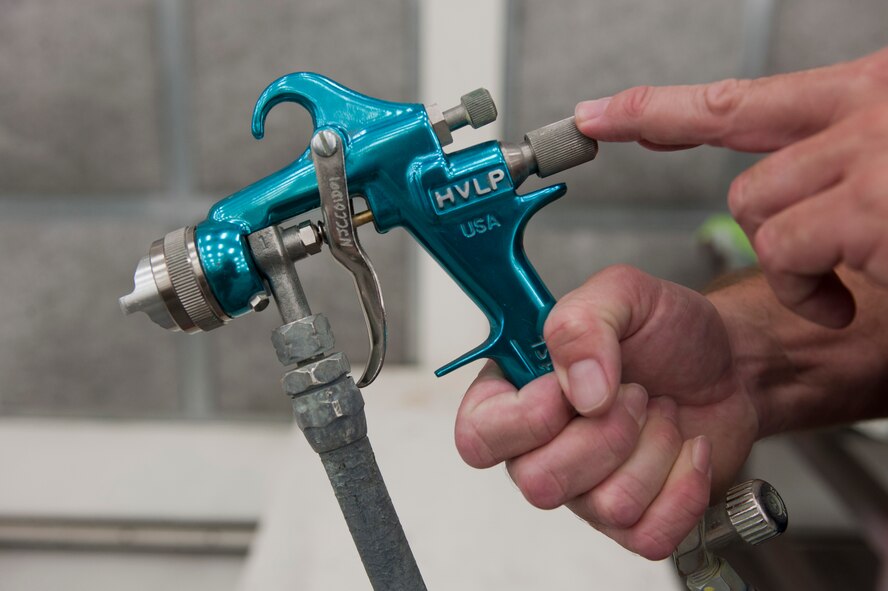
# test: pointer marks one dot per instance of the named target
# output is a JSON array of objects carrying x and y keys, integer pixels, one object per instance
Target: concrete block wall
[{"x": 123, "y": 119}]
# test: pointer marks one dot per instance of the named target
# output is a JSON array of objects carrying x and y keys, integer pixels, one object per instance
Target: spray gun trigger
[{"x": 341, "y": 236}]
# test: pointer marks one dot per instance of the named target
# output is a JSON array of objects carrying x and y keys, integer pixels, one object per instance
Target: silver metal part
[
  {"x": 302, "y": 241},
  {"x": 520, "y": 160},
  {"x": 170, "y": 286},
  {"x": 271, "y": 257},
  {"x": 756, "y": 511},
  {"x": 303, "y": 339},
  {"x": 721, "y": 576},
  {"x": 549, "y": 150},
  {"x": 752, "y": 513},
  {"x": 475, "y": 108},
  {"x": 145, "y": 297},
  {"x": 439, "y": 124},
  {"x": 342, "y": 238},
  {"x": 560, "y": 146},
  {"x": 316, "y": 373},
  {"x": 323, "y": 406},
  {"x": 331, "y": 416},
  {"x": 325, "y": 143},
  {"x": 259, "y": 302}
]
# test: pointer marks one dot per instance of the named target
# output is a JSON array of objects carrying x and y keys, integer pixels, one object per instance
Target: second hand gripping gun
[{"x": 462, "y": 207}]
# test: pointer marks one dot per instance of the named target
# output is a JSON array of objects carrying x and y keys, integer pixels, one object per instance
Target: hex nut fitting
[
  {"x": 322, "y": 407},
  {"x": 259, "y": 301},
  {"x": 303, "y": 339},
  {"x": 721, "y": 576},
  {"x": 343, "y": 432},
  {"x": 333, "y": 416},
  {"x": 316, "y": 373},
  {"x": 439, "y": 124},
  {"x": 311, "y": 237}
]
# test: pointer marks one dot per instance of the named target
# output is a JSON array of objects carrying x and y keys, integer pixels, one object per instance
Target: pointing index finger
[{"x": 749, "y": 115}]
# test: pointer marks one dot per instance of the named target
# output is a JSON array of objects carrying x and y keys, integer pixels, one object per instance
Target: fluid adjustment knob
[
  {"x": 548, "y": 150},
  {"x": 475, "y": 108},
  {"x": 756, "y": 511},
  {"x": 560, "y": 146}
]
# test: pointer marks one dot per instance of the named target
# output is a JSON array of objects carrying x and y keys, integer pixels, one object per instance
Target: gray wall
[{"x": 123, "y": 119}]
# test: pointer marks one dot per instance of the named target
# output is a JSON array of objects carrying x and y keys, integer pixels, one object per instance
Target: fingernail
[
  {"x": 589, "y": 110},
  {"x": 635, "y": 399},
  {"x": 701, "y": 455},
  {"x": 588, "y": 386}
]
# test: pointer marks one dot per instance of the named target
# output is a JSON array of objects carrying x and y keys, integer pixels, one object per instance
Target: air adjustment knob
[
  {"x": 475, "y": 108},
  {"x": 756, "y": 511}
]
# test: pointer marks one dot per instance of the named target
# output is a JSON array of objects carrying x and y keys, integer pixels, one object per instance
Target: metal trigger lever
[{"x": 342, "y": 238}]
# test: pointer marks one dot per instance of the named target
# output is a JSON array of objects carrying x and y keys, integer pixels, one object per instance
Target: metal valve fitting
[
  {"x": 170, "y": 285},
  {"x": 753, "y": 512},
  {"x": 171, "y": 288},
  {"x": 549, "y": 150},
  {"x": 475, "y": 109}
]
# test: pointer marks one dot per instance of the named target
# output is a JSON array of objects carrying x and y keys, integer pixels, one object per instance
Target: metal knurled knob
[
  {"x": 185, "y": 282},
  {"x": 560, "y": 146},
  {"x": 756, "y": 511},
  {"x": 480, "y": 108}
]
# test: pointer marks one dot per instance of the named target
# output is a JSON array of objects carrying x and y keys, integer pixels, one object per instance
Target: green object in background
[{"x": 726, "y": 239}]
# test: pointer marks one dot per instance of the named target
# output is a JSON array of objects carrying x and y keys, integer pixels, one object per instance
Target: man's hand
[
  {"x": 819, "y": 201},
  {"x": 637, "y": 462}
]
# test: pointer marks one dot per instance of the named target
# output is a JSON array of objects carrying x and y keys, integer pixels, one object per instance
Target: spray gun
[{"x": 462, "y": 207}]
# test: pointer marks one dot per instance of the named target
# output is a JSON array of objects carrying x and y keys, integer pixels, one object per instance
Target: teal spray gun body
[{"x": 462, "y": 207}]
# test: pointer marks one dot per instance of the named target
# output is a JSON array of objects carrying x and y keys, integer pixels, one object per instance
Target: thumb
[{"x": 584, "y": 330}]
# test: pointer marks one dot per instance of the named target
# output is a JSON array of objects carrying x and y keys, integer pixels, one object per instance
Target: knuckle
[
  {"x": 539, "y": 484},
  {"x": 874, "y": 70},
  {"x": 720, "y": 99},
  {"x": 634, "y": 102},
  {"x": 875, "y": 263},
  {"x": 868, "y": 188},
  {"x": 471, "y": 444},
  {"x": 659, "y": 537},
  {"x": 737, "y": 202},
  {"x": 619, "y": 440},
  {"x": 766, "y": 245},
  {"x": 630, "y": 279},
  {"x": 566, "y": 323},
  {"x": 541, "y": 423},
  {"x": 666, "y": 439},
  {"x": 651, "y": 544},
  {"x": 623, "y": 273},
  {"x": 617, "y": 505}
]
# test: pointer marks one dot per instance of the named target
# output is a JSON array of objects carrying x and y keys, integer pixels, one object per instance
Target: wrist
[
  {"x": 760, "y": 364},
  {"x": 797, "y": 374}
]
